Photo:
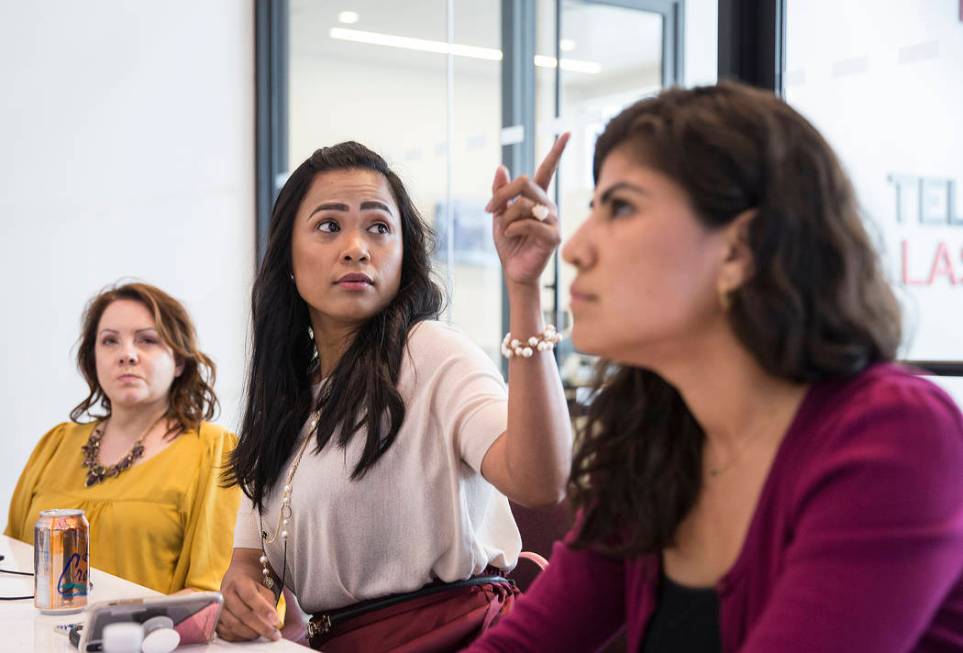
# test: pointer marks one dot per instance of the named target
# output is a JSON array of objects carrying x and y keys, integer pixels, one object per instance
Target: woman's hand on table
[{"x": 248, "y": 605}]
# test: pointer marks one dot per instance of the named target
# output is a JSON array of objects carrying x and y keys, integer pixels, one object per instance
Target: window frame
[{"x": 271, "y": 66}]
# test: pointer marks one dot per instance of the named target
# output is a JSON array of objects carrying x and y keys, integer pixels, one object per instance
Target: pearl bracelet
[{"x": 545, "y": 341}]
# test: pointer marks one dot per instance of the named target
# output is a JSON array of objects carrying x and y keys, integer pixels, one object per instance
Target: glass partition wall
[
  {"x": 446, "y": 90},
  {"x": 885, "y": 89},
  {"x": 617, "y": 53},
  {"x": 419, "y": 83}
]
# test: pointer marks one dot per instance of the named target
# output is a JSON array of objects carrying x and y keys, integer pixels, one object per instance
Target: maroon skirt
[{"x": 438, "y": 618}]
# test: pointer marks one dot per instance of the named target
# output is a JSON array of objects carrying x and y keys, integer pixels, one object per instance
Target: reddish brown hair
[{"x": 192, "y": 399}]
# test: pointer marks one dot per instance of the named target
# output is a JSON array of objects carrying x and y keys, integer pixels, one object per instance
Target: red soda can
[{"x": 61, "y": 558}]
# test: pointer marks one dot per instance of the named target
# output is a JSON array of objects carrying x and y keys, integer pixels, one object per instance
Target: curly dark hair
[
  {"x": 361, "y": 392},
  {"x": 192, "y": 399},
  {"x": 817, "y": 307}
]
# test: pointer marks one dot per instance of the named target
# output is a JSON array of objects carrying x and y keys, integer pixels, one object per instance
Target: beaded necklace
[
  {"x": 284, "y": 519},
  {"x": 96, "y": 472}
]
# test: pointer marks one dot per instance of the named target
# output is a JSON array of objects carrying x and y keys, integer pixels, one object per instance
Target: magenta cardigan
[{"x": 856, "y": 543}]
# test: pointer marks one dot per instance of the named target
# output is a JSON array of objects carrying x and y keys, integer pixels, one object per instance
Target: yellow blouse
[{"x": 165, "y": 523}]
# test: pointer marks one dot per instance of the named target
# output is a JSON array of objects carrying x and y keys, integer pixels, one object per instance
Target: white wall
[{"x": 126, "y": 150}]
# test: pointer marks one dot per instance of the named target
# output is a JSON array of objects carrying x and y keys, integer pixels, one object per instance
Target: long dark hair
[
  {"x": 191, "y": 399},
  {"x": 817, "y": 306},
  {"x": 361, "y": 391}
]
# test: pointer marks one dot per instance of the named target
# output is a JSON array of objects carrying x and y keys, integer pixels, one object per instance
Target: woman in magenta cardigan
[{"x": 755, "y": 474}]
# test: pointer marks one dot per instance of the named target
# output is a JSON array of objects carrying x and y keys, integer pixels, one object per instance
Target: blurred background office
[{"x": 146, "y": 139}]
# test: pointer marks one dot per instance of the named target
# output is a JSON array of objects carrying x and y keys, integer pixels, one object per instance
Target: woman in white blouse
[{"x": 378, "y": 445}]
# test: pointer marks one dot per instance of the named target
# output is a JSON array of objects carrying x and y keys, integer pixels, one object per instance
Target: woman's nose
[
  {"x": 356, "y": 250},
  {"x": 128, "y": 355},
  {"x": 577, "y": 251}
]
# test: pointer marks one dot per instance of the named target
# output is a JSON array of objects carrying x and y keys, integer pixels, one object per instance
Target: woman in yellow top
[{"x": 145, "y": 470}]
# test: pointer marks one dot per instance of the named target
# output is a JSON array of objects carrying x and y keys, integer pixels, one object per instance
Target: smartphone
[{"x": 194, "y": 615}]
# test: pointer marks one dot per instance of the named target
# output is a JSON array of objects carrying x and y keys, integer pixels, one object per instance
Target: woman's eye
[
  {"x": 149, "y": 340},
  {"x": 328, "y": 226},
  {"x": 618, "y": 207},
  {"x": 380, "y": 228},
  {"x": 107, "y": 341}
]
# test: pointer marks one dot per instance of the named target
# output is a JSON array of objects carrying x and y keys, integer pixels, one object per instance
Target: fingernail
[
  {"x": 276, "y": 635},
  {"x": 488, "y": 207}
]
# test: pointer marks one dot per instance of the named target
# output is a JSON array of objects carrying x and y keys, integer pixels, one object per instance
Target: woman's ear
[
  {"x": 738, "y": 265},
  {"x": 179, "y": 367}
]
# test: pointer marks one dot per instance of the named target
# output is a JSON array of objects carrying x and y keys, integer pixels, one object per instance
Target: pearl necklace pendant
[{"x": 284, "y": 519}]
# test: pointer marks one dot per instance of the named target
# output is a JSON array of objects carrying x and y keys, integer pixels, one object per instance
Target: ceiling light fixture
[
  {"x": 570, "y": 65},
  {"x": 441, "y": 47}
]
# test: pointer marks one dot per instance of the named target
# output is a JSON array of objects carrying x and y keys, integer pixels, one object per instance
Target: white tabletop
[{"x": 24, "y": 629}]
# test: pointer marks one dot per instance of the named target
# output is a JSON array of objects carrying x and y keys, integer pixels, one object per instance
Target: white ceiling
[{"x": 620, "y": 40}]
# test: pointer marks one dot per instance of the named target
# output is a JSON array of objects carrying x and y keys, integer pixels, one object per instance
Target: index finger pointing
[{"x": 543, "y": 176}]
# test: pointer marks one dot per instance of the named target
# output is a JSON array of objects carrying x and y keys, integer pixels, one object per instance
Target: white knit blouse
[{"x": 423, "y": 512}]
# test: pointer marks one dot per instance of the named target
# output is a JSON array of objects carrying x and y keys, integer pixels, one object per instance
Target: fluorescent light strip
[
  {"x": 440, "y": 47},
  {"x": 571, "y": 65},
  {"x": 407, "y": 43}
]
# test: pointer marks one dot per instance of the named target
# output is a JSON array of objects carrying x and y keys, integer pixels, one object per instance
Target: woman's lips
[
  {"x": 354, "y": 285},
  {"x": 355, "y": 281},
  {"x": 579, "y": 297}
]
